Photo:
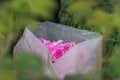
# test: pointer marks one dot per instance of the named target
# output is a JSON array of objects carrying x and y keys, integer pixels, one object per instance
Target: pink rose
[
  {"x": 42, "y": 40},
  {"x": 66, "y": 46},
  {"x": 57, "y": 49},
  {"x": 57, "y": 54}
]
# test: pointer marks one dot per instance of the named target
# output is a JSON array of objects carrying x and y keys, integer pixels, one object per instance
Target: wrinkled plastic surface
[{"x": 83, "y": 59}]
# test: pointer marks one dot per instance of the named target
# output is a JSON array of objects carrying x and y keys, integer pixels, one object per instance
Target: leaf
[
  {"x": 6, "y": 69},
  {"x": 6, "y": 75},
  {"x": 74, "y": 78},
  {"x": 115, "y": 59},
  {"x": 44, "y": 8},
  {"x": 2, "y": 28},
  {"x": 110, "y": 71},
  {"x": 2, "y": 36},
  {"x": 28, "y": 66},
  {"x": 28, "y": 62},
  {"x": 79, "y": 8},
  {"x": 100, "y": 18},
  {"x": 116, "y": 19}
]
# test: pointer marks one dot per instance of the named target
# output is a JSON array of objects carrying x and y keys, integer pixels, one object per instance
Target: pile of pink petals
[{"x": 58, "y": 48}]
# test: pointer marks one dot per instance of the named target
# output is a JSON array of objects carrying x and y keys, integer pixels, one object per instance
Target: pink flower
[
  {"x": 57, "y": 53},
  {"x": 57, "y": 49},
  {"x": 66, "y": 46},
  {"x": 72, "y": 44},
  {"x": 42, "y": 40}
]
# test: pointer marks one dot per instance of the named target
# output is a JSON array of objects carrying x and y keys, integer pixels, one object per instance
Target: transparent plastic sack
[{"x": 83, "y": 59}]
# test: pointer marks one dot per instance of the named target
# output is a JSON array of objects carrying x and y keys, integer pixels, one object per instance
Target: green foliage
[
  {"x": 6, "y": 69},
  {"x": 110, "y": 71},
  {"x": 14, "y": 16},
  {"x": 115, "y": 59},
  {"x": 28, "y": 67},
  {"x": 31, "y": 63},
  {"x": 81, "y": 77},
  {"x": 36, "y": 7},
  {"x": 75, "y": 78},
  {"x": 80, "y": 10},
  {"x": 113, "y": 68}
]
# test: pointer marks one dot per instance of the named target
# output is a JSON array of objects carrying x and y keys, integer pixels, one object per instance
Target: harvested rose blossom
[
  {"x": 66, "y": 46},
  {"x": 57, "y": 53},
  {"x": 57, "y": 49}
]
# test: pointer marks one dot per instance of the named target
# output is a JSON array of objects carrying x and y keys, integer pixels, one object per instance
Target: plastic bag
[{"x": 83, "y": 59}]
